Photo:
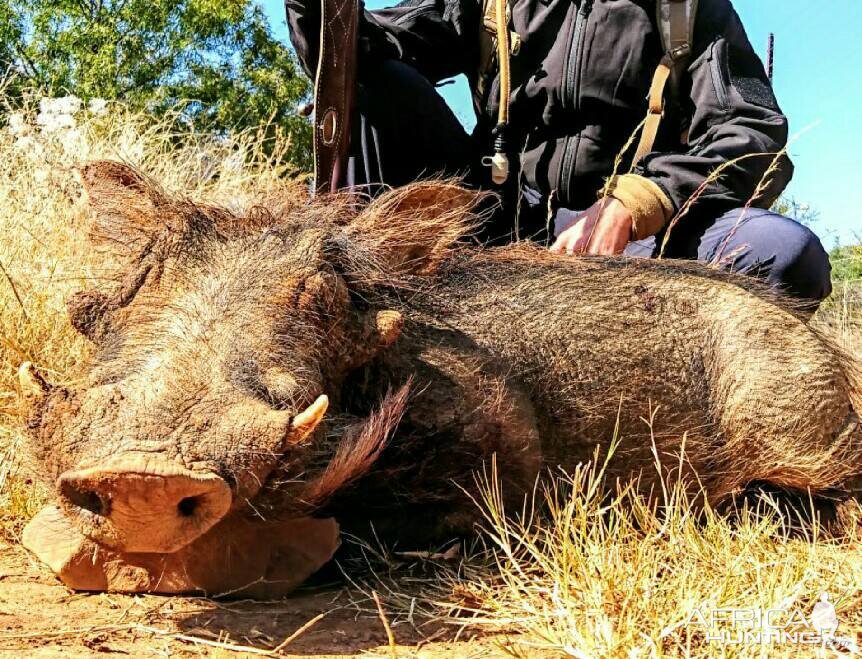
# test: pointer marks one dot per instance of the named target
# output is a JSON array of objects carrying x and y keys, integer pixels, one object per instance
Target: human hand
[{"x": 605, "y": 228}]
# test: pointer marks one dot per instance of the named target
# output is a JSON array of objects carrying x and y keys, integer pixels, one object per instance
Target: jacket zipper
[
  {"x": 572, "y": 90},
  {"x": 573, "y": 65}
]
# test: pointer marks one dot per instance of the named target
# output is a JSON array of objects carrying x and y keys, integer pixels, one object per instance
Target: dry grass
[
  {"x": 578, "y": 572},
  {"x": 573, "y": 573},
  {"x": 842, "y": 312},
  {"x": 597, "y": 576}
]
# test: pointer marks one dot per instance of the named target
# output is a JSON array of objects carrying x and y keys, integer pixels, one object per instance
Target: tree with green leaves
[
  {"x": 214, "y": 60},
  {"x": 792, "y": 208},
  {"x": 847, "y": 263}
]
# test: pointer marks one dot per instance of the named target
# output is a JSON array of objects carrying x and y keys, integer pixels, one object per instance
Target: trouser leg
[
  {"x": 755, "y": 242},
  {"x": 403, "y": 131}
]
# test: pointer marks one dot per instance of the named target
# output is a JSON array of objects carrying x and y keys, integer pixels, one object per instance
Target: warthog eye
[
  {"x": 245, "y": 375},
  {"x": 271, "y": 386}
]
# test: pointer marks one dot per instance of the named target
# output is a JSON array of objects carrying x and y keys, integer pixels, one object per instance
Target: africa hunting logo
[{"x": 775, "y": 626}]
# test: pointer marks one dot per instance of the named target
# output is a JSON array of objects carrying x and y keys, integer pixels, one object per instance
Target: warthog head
[{"x": 218, "y": 347}]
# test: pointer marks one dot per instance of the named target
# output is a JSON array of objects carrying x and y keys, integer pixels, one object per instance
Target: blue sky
[{"x": 818, "y": 81}]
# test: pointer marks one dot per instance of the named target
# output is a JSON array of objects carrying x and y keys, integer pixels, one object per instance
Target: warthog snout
[{"x": 144, "y": 504}]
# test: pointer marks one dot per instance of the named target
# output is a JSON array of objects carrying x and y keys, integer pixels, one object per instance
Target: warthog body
[{"x": 196, "y": 456}]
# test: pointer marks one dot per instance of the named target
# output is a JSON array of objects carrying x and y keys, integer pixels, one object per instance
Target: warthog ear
[
  {"x": 408, "y": 231},
  {"x": 130, "y": 213},
  {"x": 128, "y": 209}
]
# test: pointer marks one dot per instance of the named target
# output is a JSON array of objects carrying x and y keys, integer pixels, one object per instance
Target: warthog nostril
[
  {"x": 144, "y": 503},
  {"x": 86, "y": 499},
  {"x": 187, "y": 506}
]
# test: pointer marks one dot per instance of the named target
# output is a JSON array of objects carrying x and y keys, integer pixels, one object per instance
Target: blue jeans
[{"x": 754, "y": 242}]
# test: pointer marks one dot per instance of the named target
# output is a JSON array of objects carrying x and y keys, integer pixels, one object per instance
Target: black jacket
[{"x": 579, "y": 88}]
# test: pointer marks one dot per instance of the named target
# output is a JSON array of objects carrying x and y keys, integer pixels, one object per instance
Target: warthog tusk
[{"x": 304, "y": 423}]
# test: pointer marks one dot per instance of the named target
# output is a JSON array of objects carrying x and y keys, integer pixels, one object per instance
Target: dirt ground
[{"x": 39, "y": 617}]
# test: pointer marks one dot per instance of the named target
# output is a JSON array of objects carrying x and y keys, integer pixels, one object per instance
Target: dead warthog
[{"x": 259, "y": 376}]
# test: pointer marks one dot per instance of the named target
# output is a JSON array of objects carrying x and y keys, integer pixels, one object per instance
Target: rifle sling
[{"x": 334, "y": 89}]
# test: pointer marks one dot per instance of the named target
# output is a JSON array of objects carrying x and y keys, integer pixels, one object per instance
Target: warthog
[{"x": 260, "y": 379}]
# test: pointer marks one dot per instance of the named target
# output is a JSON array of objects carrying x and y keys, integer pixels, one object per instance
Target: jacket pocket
[
  {"x": 717, "y": 69},
  {"x": 567, "y": 168}
]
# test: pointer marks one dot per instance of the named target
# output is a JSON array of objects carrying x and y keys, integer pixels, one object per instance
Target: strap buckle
[{"x": 679, "y": 52}]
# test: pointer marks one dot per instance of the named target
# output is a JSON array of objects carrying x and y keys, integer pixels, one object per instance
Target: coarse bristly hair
[
  {"x": 403, "y": 241},
  {"x": 358, "y": 447},
  {"x": 386, "y": 240}
]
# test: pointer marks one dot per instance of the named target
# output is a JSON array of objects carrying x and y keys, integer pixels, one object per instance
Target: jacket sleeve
[
  {"x": 733, "y": 114},
  {"x": 439, "y": 38}
]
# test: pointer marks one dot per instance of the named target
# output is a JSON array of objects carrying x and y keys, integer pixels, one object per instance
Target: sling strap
[
  {"x": 334, "y": 89},
  {"x": 676, "y": 25},
  {"x": 496, "y": 44},
  {"x": 490, "y": 29}
]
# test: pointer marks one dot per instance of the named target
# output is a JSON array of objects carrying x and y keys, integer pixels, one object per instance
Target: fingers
[
  {"x": 574, "y": 239},
  {"x": 568, "y": 240},
  {"x": 606, "y": 242},
  {"x": 603, "y": 229},
  {"x": 579, "y": 246},
  {"x": 561, "y": 243},
  {"x": 613, "y": 231}
]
